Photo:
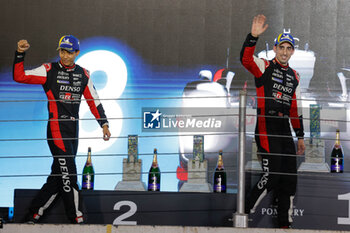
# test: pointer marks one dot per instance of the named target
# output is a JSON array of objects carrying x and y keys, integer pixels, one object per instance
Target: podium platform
[
  {"x": 322, "y": 202},
  {"x": 139, "y": 208}
]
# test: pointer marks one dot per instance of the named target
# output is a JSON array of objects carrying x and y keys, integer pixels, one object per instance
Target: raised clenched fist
[{"x": 22, "y": 46}]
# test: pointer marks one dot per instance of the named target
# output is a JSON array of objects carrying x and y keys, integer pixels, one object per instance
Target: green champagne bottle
[
  {"x": 88, "y": 173},
  {"x": 220, "y": 176},
  {"x": 154, "y": 174}
]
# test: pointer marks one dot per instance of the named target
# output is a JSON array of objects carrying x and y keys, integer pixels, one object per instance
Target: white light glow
[
  {"x": 116, "y": 71},
  {"x": 220, "y": 100},
  {"x": 305, "y": 103},
  {"x": 336, "y": 105}
]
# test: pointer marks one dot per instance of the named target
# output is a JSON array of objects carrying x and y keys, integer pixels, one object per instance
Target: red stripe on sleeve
[
  {"x": 294, "y": 113},
  {"x": 20, "y": 76},
  {"x": 249, "y": 63},
  {"x": 90, "y": 101}
]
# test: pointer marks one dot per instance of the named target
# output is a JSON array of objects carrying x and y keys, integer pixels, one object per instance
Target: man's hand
[
  {"x": 301, "y": 146},
  {"x": 259, "y": 26},
  {"x": 22, "y": 46},
  {"x": 106, "y": 133}
]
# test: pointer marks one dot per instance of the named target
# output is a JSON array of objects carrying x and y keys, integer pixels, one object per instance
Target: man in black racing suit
[
  {"x": 278, "y": 94},
  {"x": 64, "y": 83}
]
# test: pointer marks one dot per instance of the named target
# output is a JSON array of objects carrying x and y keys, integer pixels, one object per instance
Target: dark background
[{"x": 181, "y": 33}]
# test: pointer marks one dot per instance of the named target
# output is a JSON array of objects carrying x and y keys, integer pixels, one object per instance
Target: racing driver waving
[{"x": 278, "y": 94}]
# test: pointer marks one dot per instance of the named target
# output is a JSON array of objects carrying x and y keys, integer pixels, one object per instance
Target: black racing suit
[
  {"x": 278, "y": 94},
  {"x": 64, "y": 87}
]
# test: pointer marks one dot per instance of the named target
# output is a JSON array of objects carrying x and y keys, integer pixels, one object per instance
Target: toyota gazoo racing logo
[{"x": 278, "y": 95}]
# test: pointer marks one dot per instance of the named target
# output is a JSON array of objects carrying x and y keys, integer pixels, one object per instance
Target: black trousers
[
  {"x": 277, "y": 151},
  {"x": 63, "y": 143}
]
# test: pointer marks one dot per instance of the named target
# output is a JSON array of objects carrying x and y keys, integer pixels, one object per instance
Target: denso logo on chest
[
  {"x": 282, "y": 88},
  {"x": 69, "y": 88}
]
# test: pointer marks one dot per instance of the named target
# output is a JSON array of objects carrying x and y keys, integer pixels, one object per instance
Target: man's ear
[
  {"x": 77, "y": 52},
  {"x": 274, "y": 48}
]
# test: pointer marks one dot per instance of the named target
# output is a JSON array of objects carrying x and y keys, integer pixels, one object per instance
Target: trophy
[
  {"x": 198, "y": 147},
  {"x": 131, "y": 168},
  {"x": 197, "y": 169},
  {"x": 314, "y": 146}
]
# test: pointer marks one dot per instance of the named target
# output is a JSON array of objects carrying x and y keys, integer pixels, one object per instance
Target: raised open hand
[{"x": 258, "y": 25}]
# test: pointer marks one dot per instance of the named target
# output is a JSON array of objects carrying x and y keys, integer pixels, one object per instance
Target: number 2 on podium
[{"x": 120, "y": 220}]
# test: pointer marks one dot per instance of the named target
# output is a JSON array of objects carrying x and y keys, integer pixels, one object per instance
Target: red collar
[
  {"x": 275, "y": 59},
  {"x": 67, "y": 67}
]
